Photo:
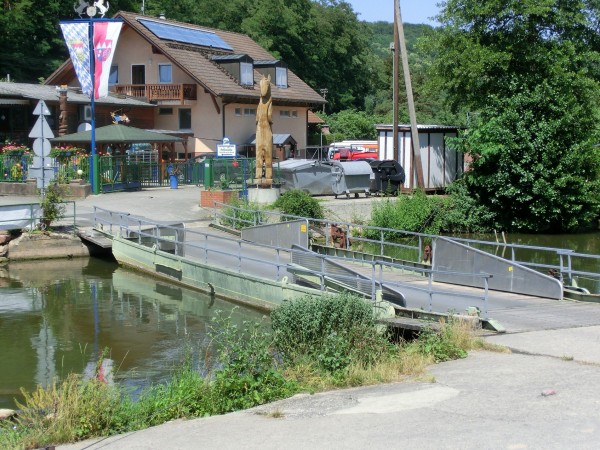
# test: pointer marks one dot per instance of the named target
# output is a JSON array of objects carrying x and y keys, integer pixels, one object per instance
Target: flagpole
[{"x": 94, "y": 173}]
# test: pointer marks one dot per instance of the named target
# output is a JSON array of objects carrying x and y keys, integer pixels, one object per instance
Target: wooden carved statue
[{"x": 264, "y": 135}]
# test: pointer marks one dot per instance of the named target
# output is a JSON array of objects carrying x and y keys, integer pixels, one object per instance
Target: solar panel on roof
[{"x": 184, "y": 34}]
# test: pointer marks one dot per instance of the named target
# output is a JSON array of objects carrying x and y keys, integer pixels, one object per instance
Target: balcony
[{"x": 159, "y": 92}]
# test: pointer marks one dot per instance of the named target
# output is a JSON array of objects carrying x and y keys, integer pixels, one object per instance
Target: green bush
[
  {"x": 299, "y": 203},
  {"x": 240, "y": 214},
  {"x": 418, "y": 212},
  {"x": 248, "y": 373},
  {"x": 53, "y": 208},
  {"x": 333, "y": 331}
]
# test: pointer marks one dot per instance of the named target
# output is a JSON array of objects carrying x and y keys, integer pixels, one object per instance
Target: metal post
[
  {"x": 239, "y": 256},
  {"x": 485, "y": 298},
  {"x": 373, "y": 281},
  {"x": 430, "y": 276}
]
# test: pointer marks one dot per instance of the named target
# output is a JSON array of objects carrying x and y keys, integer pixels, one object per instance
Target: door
[{"x": 138, "y": 74}]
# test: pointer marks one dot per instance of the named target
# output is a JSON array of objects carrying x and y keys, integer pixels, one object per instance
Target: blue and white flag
[{"x": 78, "y": 41}]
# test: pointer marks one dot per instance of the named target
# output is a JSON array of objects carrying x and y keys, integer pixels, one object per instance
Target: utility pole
[
  {"x": 396, "y": 59},
  {"x": 324, "y": 92},
  {"x": 414, "y": 131}
]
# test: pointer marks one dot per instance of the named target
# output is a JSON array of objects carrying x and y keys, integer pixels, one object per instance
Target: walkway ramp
[{"x": 309, "y": 266}]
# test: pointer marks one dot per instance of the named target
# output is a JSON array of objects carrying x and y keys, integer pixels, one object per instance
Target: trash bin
[
  {"x": 172, "y": 176},
  {"x": 389, "y": 176},
  {"x": 351, "y": 178}
]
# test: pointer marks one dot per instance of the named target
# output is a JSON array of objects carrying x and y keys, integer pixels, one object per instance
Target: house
[
  {"x": 441, "y": 164},
  {"x": 202, "y": 81}
]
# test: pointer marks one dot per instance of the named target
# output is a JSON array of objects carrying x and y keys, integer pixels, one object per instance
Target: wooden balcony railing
[{"x": 152, "y": 92}]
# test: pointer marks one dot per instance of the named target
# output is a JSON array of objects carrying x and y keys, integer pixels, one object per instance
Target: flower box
[{"x": 208, "y": 197}]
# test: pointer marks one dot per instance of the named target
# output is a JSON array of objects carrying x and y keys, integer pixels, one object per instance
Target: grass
[{"x": 337, "y": 345}]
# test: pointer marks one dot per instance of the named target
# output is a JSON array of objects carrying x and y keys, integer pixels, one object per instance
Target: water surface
[{"x": 56, "y": 317}]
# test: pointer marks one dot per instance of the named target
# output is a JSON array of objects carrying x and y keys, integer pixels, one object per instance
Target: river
[{"x": 57, "y": 316}]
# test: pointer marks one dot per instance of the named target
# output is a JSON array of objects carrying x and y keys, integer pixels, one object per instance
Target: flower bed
[
  {"x": 66, "y": 152},
  {"x": 14, "y": 150}
]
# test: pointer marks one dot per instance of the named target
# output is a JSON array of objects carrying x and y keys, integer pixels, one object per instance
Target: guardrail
[
  {"x": 247, "y": 259},
  {"x": 29, "y": 216},
  {"x": 409, "y": 246}
]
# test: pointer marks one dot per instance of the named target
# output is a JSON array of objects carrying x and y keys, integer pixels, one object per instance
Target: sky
[{"x": 413, "y": 11}]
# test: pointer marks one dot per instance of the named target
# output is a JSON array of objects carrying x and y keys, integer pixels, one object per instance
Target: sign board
[
  {"x": 42, "y": 147},
  {"x": 226, "y": 151},
  {"x": 41, "y": 129}
]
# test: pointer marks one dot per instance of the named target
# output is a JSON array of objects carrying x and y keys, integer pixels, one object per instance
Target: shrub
[
  {"x": 299, "y": 203},
  {"x": 241, "y": 214},
  {"x": 416, "y": 213},
  {"x": 53, "y": 208},
  {"x": 248, "y": 373},
  {"x": 332, "y": 332}
]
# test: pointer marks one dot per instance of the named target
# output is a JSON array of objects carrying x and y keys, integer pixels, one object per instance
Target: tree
[
  {"x": 526, "y": 70},
  {"x": 32, "y": 43}
]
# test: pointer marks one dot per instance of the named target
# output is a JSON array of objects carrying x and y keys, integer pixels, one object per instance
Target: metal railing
[
  {"x": 30, "y": 216},
  {"x": 409, "y": 246},
  {"x": 247, "y": 260}
]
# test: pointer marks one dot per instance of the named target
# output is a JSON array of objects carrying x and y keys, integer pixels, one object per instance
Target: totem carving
[{"x": 264, "y": 135}]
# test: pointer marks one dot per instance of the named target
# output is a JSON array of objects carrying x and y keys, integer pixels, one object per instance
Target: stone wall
[{"x": 77, "y": 189}]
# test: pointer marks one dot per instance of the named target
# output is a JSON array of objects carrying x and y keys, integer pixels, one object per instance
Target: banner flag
[
  {"x": 77, "y": 38},
  {"x": 106, "y": 35}
]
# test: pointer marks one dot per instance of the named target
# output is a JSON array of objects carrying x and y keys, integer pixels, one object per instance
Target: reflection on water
[{"x": 56, "y": 317}]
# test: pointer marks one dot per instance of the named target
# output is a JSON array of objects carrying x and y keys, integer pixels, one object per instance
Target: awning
[
  {"x": 278, "y": 139},
  {"x": 13, "y": 101},
  {"x": 116, "y": 134}
]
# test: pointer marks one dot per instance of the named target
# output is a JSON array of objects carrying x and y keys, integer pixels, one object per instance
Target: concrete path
[{"x": 486, "y": 401}]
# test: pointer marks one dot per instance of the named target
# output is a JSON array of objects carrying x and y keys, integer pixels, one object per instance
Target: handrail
[
  {"x": 355, "y": 232},
  {"x": 196, "y": 239},
  {"x": 33, "y": 215}
]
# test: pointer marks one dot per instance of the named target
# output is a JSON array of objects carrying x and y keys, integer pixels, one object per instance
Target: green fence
[{"x": 118, "y": 173}]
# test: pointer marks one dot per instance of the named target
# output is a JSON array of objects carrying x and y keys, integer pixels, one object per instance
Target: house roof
[
  {"x": 196, "y": 61},
  {"x": 278, "y": 139},
  {"x": 313, "y": 118},
  {"x": 50, "y": 94},
  {"x": 116, "y": 133},
  {"x": 420, "y": 127}
]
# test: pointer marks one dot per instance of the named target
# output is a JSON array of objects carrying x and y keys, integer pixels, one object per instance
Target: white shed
[{"x": 441, "y": 165}]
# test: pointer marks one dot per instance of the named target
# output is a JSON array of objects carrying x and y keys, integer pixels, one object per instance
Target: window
[
  {"x": 281, "y": 77},
  {"x": 185, "y": 119},
  {"x": 165, "y": 111},
  {"x": 249, "y": 111},
  {"x": 294, "y": 114},
  {"x": 284, "y": 113},
  {"x": 113, "y": 77},
  {"x": 246, "y": 74},
  {"x": 238, "y": 111},
  {"x": 165, "y": 73}
]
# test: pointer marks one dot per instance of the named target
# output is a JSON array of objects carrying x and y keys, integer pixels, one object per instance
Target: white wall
[{"x": 441, "y": 166}]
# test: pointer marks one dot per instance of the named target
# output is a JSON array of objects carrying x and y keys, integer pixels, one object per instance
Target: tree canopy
[{"x": 526, "y": 71}]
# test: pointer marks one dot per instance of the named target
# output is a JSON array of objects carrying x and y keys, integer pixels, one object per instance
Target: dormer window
[
  {"x": 277, "y": 69},
  {"x": 246, "y": 74},
  {"x": 281, "y": 77},
  {"x": 241, "y": 67}
]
